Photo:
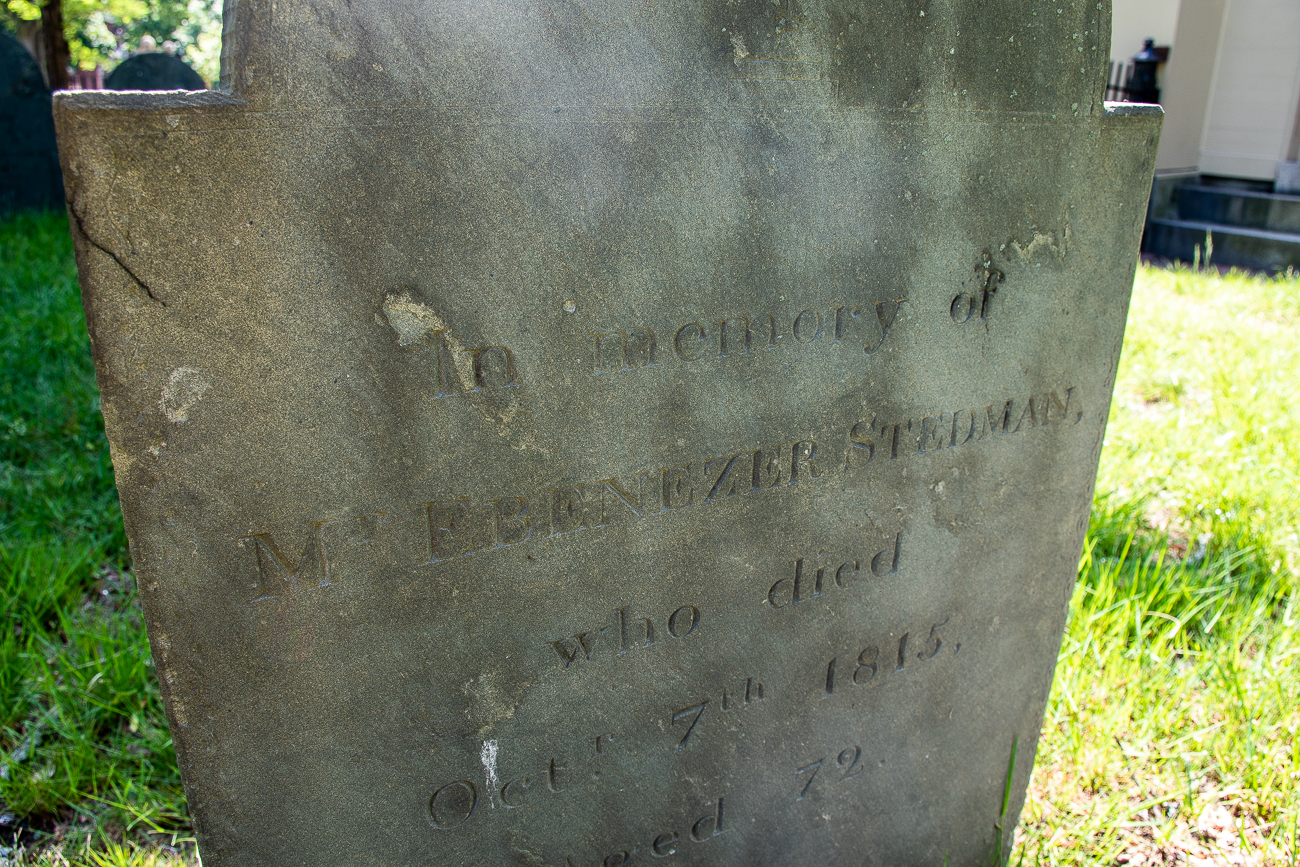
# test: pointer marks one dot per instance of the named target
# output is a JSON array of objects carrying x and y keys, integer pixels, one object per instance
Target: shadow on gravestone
[
  {"x": 618, "y": 433},
  {"x": 154, "y": 71},
  {"x": 29, "y": 161}
]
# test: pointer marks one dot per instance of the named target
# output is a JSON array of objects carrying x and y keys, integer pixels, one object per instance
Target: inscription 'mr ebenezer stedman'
[{"x": 442, "y": 530}]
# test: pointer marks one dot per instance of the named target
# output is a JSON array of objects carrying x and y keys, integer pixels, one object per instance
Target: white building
[{"x": 1231, "y": 89}]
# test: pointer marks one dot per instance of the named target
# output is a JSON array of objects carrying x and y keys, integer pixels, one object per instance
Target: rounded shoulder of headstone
[
  {"x": 153, "y": 72},
  {"x": 20, "y": 77}
]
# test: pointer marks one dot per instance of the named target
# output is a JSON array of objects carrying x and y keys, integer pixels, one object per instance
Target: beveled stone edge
[
  {"x": 1131, "y": 109},
  {"x": 143, "y": 100}
]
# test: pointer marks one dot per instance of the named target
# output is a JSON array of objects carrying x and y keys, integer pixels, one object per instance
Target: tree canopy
[{"x": 105, "y": 32}]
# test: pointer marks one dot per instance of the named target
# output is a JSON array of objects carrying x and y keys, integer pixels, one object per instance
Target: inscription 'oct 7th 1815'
[{"x": 447, "y": 529}]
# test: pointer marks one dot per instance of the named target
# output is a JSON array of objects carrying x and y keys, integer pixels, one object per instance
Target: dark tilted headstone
[
  {"x": 620, "y": 433},
  {"x": 153, "y": 71},
  {"x": 29, "y": 160}
]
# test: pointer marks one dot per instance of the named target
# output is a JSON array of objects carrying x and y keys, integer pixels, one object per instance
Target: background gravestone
[
  {"x": 29, "y": 164},
  {"x": 597, "y": 433},
  {"x": 153, "y": 71}
]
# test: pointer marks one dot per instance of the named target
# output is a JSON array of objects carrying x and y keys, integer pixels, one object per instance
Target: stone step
[
  {"x": 1272, "y": 212},
  {"x": 1258, "y": 249}
]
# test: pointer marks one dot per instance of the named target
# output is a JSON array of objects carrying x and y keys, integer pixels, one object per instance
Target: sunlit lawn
[{"x": 1171, "y": 733}]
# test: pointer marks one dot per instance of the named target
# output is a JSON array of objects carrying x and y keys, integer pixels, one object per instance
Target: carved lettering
[
  {"x": 453, "y": 805},
  {"x": 962, "y": 308},
  {"x": 854, "y": 313},
  {"x": 618, "y": 350},
  {"x": 932, "y": 434},
  {"x": 568, "y": 648},
  {"x": 634, "y": 633},
  {"x": 730, "y": 476},
  {"x": 513, "y": 524},
  {"x": 882, "y": 559},
  {"x": 665, "y": 844},
  {"x": 509, "y": 800},
  {"x": 553, "y": 776},
  {"x": 807, "y": 330},
  {"x": 949, "y": 429},
  {"x": 486, "y": 367},
  {"x": 847, "y": 761},
  {"x": 679, "y": 487},
  {"x": 796, "y": 589},
  {"x": 869, "y": 669},
  {"x": 689, "y": 339},
  {"x": 803, "y": 455},
  {"x": 568, "y": 512},
  {"x": 706, "y": 827},
  {"x": 675, "y": 627},
  {"x": 456, "y": 527},
  {"x": 767, "y": 470},
  {"x": 448, "y": 535},
  {"x": 612, "y": 488},
  {"x": 741, "y": 334},
  {"x": 494, "y": 367},
  {"x": 624, "y": 628},
  {"x": 997, "y": 417},
  {"x": 1062, "y": 407},
  {"x": 862, "y": 448},
  {"x": 687, "y": 719},
  {"x": 278, "y": 574},
  {"x": 886, "y": 314},
  {"x": 727, "y": 337}
]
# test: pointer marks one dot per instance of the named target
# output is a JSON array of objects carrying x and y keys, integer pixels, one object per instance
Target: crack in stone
[{"x": 81, "y": 227}]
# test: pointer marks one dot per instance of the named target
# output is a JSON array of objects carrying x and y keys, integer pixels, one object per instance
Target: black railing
[{"x": 1117, "y": 81}]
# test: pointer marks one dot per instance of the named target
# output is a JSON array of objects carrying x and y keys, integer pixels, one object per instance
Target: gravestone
[
  {"x": 153, "y": 71},
  {"x": 611, "y": 433},
  {"x": 29, "y": 161}
]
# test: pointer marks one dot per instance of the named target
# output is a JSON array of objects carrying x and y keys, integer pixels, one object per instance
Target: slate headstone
[
  {"x": 29, "y": 159},
  {"x": 611, "y": 433},
  {"x": 153, "y": 71}
]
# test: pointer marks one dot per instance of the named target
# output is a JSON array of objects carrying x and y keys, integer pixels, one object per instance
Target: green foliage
[{"x": 104, "y": 32}]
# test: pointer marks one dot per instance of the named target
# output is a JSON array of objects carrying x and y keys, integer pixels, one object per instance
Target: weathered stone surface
[
  {"x": 153, "y": 71},
  {"x": 29, "y": 164},
  {"x": 608, "y": 433}
]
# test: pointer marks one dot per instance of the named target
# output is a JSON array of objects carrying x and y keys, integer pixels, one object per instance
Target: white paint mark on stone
[
  {"x": 488, "y": 755},
  {"x": 1049, "y": 243},
  {"x": 410, "y": 319},
  {"x": 413, "y": 321},
  {"x": 739, "y": 51},
  {"x": 184, "y": 388}
]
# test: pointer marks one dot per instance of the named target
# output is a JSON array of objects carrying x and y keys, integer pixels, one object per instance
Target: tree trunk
[{"x": 57, "y": 55}]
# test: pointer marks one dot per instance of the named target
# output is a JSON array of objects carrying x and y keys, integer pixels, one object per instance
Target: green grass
[
  {"x": 1172, "y": 725},
  {"x": 84, "y": 749},
  {"x": 1171, "y": 732}
]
